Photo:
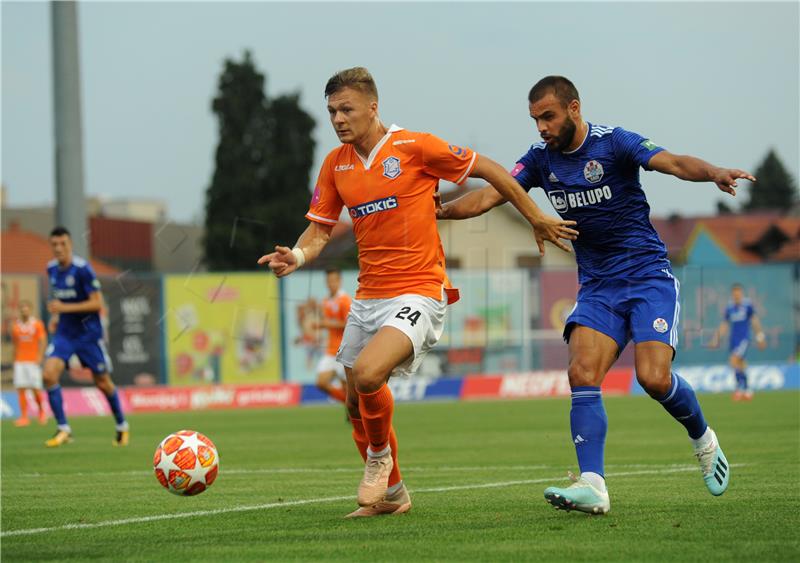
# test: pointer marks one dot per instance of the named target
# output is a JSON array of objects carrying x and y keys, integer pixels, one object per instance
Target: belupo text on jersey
[
  {"x": 370, "y": 207},
  {"x": 563, "y": 201}
]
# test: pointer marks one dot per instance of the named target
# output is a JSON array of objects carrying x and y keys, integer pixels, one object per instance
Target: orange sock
[
  {"x": 361, "y": 440},
  {"x": 337, "y": 393},
  {"x": 23, "y": 403},
  {"x": 376, "y": 412}
]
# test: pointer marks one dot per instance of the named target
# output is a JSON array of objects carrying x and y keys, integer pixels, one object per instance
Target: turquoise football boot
[
  {"x": 581, "y": 496},
  {"x": 715, "y": 466}
]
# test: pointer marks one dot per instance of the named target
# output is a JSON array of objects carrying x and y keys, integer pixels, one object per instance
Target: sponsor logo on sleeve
[
  {"x": 517, "y": 169},
  {"x": 316, "y": 196},
  {"x": 648, "y": 144},
  {"x": 458, "y": 151}
]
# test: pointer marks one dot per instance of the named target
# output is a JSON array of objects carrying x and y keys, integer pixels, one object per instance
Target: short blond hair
[{"x": 357, "y": 78}]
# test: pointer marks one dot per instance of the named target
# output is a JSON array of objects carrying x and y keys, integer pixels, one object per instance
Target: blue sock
[
  {"x": 681, "y": 402},
  {"x": 741, "y": 380},
  {"x": 116, "y": 408},
  {"x": 57, "y": 404},
  {"x": 589, "y": 425}
]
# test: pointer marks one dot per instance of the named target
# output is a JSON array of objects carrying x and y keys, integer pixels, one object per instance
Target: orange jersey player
[
  {"x": 387, "y": 178},
  {"x": 335, "y": 309},
  {"x": 30, "y": 340}
]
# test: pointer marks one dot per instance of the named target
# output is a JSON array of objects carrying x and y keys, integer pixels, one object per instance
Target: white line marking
[
  {"x": 351, "y": 469},
  {"x": 142, "y": 519}
]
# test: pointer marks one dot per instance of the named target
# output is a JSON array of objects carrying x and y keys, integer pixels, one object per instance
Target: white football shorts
[
  {"x": 420, "y": 318},
  {"x": 329, "y": 363},
  {"x": 27, "y": 375}
]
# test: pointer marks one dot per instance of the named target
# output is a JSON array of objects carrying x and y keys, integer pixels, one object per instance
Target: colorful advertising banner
[
  {"x": 134, "y": 329},
  {"x": 222, "y": 328}
]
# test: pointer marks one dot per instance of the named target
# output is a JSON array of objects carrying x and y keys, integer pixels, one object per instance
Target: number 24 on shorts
[{"x": 403, "y": 314}]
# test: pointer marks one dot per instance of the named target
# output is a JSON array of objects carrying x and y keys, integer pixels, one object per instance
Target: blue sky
[{"x": 718, "y": 80}]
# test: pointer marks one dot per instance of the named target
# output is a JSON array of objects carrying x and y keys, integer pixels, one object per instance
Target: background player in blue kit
[
  {"x": 74, "y": 305},
  {"x": 591, "y": 175},
  {"x": 739, "y": 317}
]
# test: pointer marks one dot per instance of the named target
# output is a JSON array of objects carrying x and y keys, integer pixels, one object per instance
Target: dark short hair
[
  {"x": 60, "y": 231},
  {"x": 333, "y": 270},
  {"x": 357, "y": 78},
  {"x": 563, "y": 89},
  {"x": 737, "y": 285}
]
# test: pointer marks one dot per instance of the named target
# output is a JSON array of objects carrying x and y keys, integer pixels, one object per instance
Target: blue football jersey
[
  {"x": 738, "y": 317},
  {"x": 73, "y": 284},
  {"x": 597, "y": 185}
]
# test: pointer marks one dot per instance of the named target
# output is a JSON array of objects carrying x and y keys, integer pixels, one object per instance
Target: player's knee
[
  {"x": 654, "y": 379},
  {"x": 367, "y": 379},
  {"x": 582, "y": 373},
  {"x": 105, "y": 384}
]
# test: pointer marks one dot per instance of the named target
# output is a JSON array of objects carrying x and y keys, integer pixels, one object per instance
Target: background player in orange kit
[
  {"x": 30, "y": 340},
  {"x": 387, "y": 178},
  {"x": 335, "y": 309}
]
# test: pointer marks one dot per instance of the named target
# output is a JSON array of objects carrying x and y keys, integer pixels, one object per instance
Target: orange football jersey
[
  {"x": 390, "y": 200},
  {"x": 26, "y": 338},
  {"x": 335, "y": 309}
]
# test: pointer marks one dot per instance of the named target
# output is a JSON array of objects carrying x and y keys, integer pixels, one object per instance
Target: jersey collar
[{"x": 374, "y": 152}]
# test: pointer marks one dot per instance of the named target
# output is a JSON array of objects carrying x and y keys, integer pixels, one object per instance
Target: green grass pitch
[{"x": 476, "y": 472}]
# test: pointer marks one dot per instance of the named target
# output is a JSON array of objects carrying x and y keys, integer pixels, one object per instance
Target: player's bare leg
[
  {"x": 104, "y": 383},
  {"x": 654, "y": 373},
  {"x": 325, "y": 384},
  {"x": 591, "y": 355},
  {"x": 53, "y": 368},
  {"x": 373, "y": 366}
]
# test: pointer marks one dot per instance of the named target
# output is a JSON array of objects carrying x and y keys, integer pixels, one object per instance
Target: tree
[
  {"x": 775, "y": 189},
  {"x": 259, "y": 191}
]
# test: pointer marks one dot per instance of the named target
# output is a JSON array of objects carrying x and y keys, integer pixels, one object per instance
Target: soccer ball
[{"x": 186, "y": 463}]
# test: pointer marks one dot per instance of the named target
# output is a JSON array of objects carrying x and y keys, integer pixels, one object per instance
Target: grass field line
[
  {"x": 348, "y": 469},
  {"x": 267, "y": 506}
]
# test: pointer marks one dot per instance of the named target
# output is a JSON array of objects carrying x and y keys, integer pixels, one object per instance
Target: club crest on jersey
[
  {"x": 364, "y": 209},
  {"x": 559, "y": 200},
  {"x": 391, "y": 167},
  {"x": 660, "y": 325},
  {"x": 593, "y": 171}
]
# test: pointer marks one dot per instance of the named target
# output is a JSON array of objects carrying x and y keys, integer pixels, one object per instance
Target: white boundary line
[
  {"x": 267, "y": 506},
  {"x": 354, "y": 468}
]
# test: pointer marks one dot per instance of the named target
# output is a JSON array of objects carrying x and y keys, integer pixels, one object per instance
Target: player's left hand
[
  {"x": 55, "y": 306},
  {"x": 725, "y": 179},
  {"x": 282, "y": 262},
  {"x": 553, "y": 229}
]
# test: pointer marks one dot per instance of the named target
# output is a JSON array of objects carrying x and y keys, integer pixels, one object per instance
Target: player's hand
[
  {"x": 55, "y": 306},
  {"x": 282, "y": 262},
  {"x": 441, "y": 212},
  {"x": 725, "y": 179},
  {"x": 553, "y": 229},
  {"x": 52, "y": 325}
]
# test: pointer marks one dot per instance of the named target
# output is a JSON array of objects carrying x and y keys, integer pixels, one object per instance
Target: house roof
[
  {"x": 739, "y": 236},
  {"x": 24, "y": 252}
]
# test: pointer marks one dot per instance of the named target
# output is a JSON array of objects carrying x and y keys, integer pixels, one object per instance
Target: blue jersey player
[
  {"x": 739, "y": 317},
  {"x": 74, "y": 304},
  {"x": 590, "y": 173}
]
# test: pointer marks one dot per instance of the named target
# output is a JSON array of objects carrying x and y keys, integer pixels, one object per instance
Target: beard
[{"x": 565, "y": 135}]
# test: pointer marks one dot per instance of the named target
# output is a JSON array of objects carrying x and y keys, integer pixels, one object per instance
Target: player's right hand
[
  {"x": 553, "y": 229},
  {"x": 282, "y": 262}
]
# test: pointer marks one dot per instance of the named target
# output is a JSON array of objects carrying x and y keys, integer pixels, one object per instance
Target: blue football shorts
[
  {"x": 91, "y": 353},
  {"x": 642, "y": 309}
]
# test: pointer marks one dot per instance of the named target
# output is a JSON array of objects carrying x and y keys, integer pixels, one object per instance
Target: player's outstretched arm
[
  {"x": 544, "y": 226},
  {"x": 286, "y": 260},
  {"x": 472, "y": 204},
  {"x": 719, "y": 334},
  {"x": 761, "y": 339},
  {"x": 694, "y": 169}
]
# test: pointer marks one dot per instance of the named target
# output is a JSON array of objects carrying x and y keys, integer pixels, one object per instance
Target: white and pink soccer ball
[{"x": 186, "y": 463}]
